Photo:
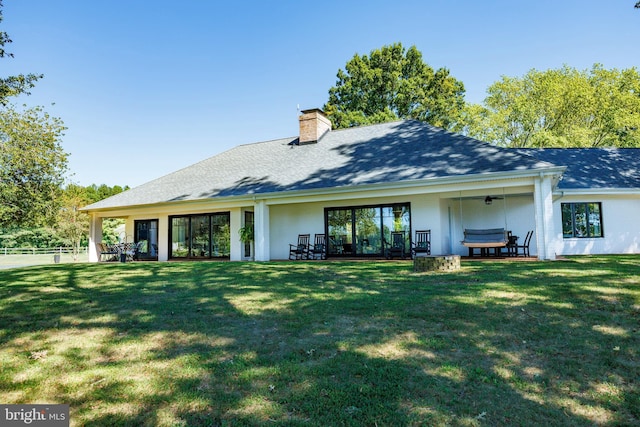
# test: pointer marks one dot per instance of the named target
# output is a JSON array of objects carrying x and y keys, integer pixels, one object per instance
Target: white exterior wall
[
  {"x": 619, "y": 223},
  {"x": 287, "y": 221},
  {"x": 426, "y": 214}
]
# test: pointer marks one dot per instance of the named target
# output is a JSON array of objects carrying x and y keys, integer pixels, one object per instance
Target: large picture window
[
  {"x": 582, "y": 220},
  {"x": 200, "y": 236},
  {"x": 366, "y": 230}
]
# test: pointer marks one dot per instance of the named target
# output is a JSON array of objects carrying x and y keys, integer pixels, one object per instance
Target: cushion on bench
[{"x": 490, "y": 237}]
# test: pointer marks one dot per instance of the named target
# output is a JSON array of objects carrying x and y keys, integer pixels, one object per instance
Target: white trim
[{"x": 598, "y": 192}]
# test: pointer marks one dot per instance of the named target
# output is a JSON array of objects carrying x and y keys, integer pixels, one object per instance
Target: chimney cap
[{"x": 313, "y": 110}]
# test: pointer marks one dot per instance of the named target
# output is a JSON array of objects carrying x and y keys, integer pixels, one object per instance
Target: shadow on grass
[{"x": 328, "y": 343}]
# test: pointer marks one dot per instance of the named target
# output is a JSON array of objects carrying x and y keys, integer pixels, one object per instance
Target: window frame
[
  {"x": 209, "y": 253},
  {"x": 575, "y": 210},
  {"x": 354, "y": 225}
]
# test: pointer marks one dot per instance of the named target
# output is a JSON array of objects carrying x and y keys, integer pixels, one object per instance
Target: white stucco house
[{"x": 356, "y": 185}]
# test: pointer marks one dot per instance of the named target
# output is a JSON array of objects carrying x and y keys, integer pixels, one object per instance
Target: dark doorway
[{"x": 146, "y": 238}]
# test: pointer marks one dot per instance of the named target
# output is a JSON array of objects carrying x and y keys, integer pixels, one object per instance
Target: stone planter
[{"x": 437, "y": 263}]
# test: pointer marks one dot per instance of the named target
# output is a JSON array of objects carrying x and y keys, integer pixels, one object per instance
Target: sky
[{"x": 148, "y": 87}]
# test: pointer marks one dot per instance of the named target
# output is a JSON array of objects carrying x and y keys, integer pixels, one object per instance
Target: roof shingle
[
  {"x": 396, "y": 152},
  {"x": 612, "y": 168}
]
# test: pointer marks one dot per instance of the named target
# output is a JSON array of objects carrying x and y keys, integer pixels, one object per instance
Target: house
[{"x": 356, "y": 185}]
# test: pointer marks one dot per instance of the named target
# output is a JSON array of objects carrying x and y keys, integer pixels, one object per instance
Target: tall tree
[
  {"x": 13, "y": 85},
  {"x": 73, "y": 224},
  {"x": 32, "y": 167},
  {"x": 560, "y": 108},
  {"x": 393, "y": 83}
]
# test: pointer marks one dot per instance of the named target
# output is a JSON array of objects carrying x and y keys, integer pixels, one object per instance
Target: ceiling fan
[{"x": 489, "y": 199}]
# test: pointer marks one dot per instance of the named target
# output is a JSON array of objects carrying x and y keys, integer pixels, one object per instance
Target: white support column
[
  {"x": 261, "y": 223},
  {"x": 163, "y": 238},
  {"x": 543, "y": 201},
  {"x": 95, "y": 236},
  {"x": 235, "y": 219}
]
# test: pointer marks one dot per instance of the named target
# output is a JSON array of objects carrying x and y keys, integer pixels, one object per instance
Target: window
[
  {"x": 582, "y": 220},
  {"x": 366, "y": 230},
  {"x": 200, "y": 236}
]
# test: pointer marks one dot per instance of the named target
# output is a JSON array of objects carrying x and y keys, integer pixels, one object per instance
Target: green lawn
[{"x": 326, "y": 343}]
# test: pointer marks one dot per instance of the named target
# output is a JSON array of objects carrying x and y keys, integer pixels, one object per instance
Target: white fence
[{"x": 41, "y": 251}]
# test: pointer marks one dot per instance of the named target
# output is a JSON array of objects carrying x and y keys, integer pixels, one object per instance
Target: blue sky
[{"x": 147, "y": 87}]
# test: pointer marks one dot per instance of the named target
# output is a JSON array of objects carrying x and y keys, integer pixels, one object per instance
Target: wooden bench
[{"x": 485, "y": 239}]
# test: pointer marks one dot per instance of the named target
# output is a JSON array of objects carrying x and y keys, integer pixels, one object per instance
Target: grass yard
[{"x": 326, "y": 343}]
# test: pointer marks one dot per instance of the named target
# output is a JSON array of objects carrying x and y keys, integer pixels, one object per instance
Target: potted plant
[{"x": 247, "y": 235}]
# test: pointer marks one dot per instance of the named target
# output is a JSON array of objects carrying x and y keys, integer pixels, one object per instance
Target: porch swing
[{"x": 490, "y": 238}]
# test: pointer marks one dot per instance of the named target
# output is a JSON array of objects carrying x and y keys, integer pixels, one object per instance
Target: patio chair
[
  {"x": 396, "y": 247},
  {"x": 139, "y": 248},
  {"x": 525, "y": 245},
  {"x": 319, "y": 248},
  {"x": 301, "y": 250},
  {"x": 512, "y": 244},
  {"x": 130, "y": 250},
  {"x": 334, "y": 247},
  {"x": 110, "y": 252},
  {"x": 422, "y": 244},
  {"x": 347, "y": 247}
]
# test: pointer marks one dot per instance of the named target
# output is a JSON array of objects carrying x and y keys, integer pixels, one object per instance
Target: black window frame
[
  {"x": 190, "y": 254},
  {"x": 385, "y": 244},
  {"x": 577, "y": 208}
]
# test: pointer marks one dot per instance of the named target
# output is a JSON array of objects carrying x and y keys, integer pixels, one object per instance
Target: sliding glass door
[
  {"x": 397, "y": 218},
  {"x": 366, "y": 230},
  {"x": 200, "y": 236},
  {"x": 340, "y": 231}
]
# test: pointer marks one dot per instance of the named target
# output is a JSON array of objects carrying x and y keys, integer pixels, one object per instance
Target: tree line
[
  {"x": 69, "y": 228},
  {"x": 563, "y": 107}
]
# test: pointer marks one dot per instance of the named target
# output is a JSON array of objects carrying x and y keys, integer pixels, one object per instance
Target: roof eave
[{"x": 609, "y": 191}]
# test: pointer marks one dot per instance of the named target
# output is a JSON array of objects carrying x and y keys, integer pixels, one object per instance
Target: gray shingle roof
[
  {"x": 614, "y": 168},
  {"x": 395, "y": 152}
]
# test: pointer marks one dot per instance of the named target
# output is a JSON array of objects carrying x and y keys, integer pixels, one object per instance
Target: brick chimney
[{"x": 313, "y": 126}]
